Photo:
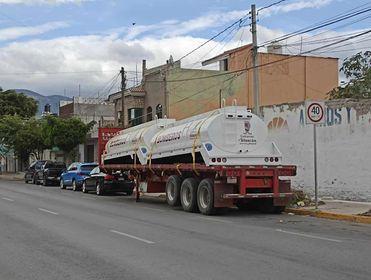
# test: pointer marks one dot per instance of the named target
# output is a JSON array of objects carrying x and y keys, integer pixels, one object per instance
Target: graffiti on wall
[
  {"x": 334, "y": 116},
  {"x": 285, "y": 119}
]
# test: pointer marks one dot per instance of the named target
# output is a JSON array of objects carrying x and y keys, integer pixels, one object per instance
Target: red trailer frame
[{"x": 241, "y": 186}]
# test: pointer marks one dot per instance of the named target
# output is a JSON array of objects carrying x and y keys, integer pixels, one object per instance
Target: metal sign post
[{"x": 315, "y": 114}]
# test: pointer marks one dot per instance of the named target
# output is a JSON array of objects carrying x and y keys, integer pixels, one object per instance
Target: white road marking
[
  {"x": 152, "y": 208},
  {"x": 309, "y": 236},
  {"x": 214, "y": 220},
  {"x": 7, "y": 199},
  {"x": 132, "y": 236},
  {"x": 47, "y": 211}
]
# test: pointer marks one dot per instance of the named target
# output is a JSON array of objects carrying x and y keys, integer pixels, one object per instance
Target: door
[
  {"x": 71, "y": 173},
  {"x": 91, "y": 181}
]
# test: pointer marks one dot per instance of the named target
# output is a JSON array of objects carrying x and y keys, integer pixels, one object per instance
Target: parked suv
[
  {"x": 31, "y": 171},
  {"x": 75, "y": 175},
  {"x": 50, "y": 173}
]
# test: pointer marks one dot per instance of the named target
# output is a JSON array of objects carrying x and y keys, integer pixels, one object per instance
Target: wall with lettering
[{"x": 344, "y": 146}]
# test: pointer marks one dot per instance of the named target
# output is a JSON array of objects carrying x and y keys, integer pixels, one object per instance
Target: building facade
[
  {"x": 179, "y": 92},
  {"x": 283, "y": 78}
]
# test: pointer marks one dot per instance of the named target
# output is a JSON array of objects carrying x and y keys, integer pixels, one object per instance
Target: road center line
[
  {"x": 152, "y": 208},
  {"x": 214, "y": 220},
  {"x": 47, "y": 211},
  {"x": 132, "y": 236},
  {"x": 309, "y": 236},
  {"x": 7, "y": 199}
]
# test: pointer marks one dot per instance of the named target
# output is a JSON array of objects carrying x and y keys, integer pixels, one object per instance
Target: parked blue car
[{"x": 75, "y": 174}]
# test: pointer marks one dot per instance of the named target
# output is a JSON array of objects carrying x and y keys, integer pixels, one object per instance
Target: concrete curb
[
  {"x": 10, "y": 178},
  {"x": 331, "y": 216}
]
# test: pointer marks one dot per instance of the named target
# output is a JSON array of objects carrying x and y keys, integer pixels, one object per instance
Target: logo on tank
[{"x": 247, "y": 137}]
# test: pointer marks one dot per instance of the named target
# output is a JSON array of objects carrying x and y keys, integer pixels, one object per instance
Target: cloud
[
  {"x": 12, "y": 33},
  {"x": 91, "y": 61},
  {"x": 171, "y": 28},
  {"x": 295, "y": 6},
  {"x": 42, "y": 2}
]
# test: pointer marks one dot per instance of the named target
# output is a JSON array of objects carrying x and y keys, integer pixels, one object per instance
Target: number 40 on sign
[{"x": 315, "y": 112}]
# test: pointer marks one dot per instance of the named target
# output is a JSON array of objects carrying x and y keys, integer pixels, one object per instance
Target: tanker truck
[{"x": 219, "y": 159}]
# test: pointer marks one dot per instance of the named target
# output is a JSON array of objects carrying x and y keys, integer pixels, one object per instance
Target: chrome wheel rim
[
  {"x": 186, "y": 196},
  {"x": 204, "y": 198},
  {"x": 171, "y": 192}
]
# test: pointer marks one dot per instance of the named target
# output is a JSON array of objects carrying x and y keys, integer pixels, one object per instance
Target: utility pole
[
  {"x": 123, "y": 87},
  {"x": 255, "y": 61}
]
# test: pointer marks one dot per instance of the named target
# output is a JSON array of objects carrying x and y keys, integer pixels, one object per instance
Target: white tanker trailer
[
  {"x": 214, "y": 160},
  {"x": 227, "y": 136}
]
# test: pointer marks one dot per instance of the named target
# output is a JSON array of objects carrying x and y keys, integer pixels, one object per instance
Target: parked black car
[
  {"x": 31, "y": 171},
  {"x": 102, "y": 182},
  {"x": 50, "y": 173}
]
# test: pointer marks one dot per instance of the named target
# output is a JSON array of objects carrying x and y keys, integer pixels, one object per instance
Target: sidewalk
[
  {"x": 12, "y": 176},
  {"x": 352, "y": 211}
]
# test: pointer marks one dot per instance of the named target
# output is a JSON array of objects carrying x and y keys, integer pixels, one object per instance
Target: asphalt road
[{"x": 48, "y": 233}]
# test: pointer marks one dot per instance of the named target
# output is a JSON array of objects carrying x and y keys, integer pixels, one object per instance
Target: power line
[
  {"x": 214, "y": 37},
  {"x": 268, "y": 63},
  {"x": 63, "y": 72},
  {"x": 317, "y": 26},
  {"x": 271, "y": 5}
]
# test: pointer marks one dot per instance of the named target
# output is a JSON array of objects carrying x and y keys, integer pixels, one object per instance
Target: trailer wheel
[
  {"x": 188, "y": 195},
  {"x": 173, "y": 190},
  {"x": 205, "y": 197}
]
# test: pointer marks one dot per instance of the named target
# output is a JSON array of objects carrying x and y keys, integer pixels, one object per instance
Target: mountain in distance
[{"x": 42, "y": 100}]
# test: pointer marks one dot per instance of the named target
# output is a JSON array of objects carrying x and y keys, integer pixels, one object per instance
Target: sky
[{"x": 53, "y": 46}]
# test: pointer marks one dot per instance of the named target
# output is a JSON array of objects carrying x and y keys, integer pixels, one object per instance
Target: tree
[
  {"x": 22, "y": 136},
  {"x": 65, "y": 134},
  {"x": 12, "y": 103},
  {"x": 357, "y": 69}
]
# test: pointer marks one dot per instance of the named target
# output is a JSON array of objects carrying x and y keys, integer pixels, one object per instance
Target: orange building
[{"x": 282, "y": 78}]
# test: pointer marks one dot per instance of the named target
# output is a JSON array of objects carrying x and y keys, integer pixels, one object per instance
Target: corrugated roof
[{"x": 138, "y": 88}]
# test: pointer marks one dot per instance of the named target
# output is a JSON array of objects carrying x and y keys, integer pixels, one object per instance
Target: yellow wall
[
  {"x": 195, "y": 96},
  {"x": 288, "y": 81}
]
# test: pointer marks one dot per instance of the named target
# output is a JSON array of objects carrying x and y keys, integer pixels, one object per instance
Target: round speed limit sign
[{"x": 315, "y": 112}]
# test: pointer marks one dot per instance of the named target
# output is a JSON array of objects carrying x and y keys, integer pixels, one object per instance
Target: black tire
[
  {"x": 188, "y": 195},
  {"x": 99, "y": 190},
  {"x": 172, "y": 191},
  {"x": 75, "y": 188},
  {"x": 129, "y": 192},
  {"x": 45, "y": 181},
  {"x": 205, "y": 197},
  {"x": 34, "y": 180},
  {"x": 84, "y": 190},
  {"x": 62, "y": 185}
]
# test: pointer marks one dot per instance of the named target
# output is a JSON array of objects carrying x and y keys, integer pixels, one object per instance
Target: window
[
  {"x": 87, "y": 167},
  {"x": 96, "y": 170},
  {"x": 135, "y": 116},
  {"x": 159, "y": 111},
  {"x": 223, "y": 65},
  {"x": 72, "y": 167},
  {"x": 149, "y": 114}
]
